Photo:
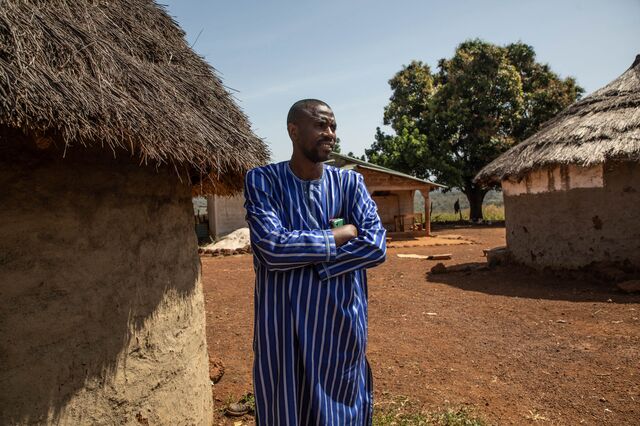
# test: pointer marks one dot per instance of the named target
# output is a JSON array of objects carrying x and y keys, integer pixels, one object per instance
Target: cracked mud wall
[
  {"x": 572, "y": 228},
  {"x": 101, "y": 305}
]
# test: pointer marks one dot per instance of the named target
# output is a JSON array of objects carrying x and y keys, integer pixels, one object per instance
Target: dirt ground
[{"x": 513, "y": 345}]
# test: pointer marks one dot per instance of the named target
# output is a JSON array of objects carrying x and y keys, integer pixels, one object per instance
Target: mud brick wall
[
  {"x": 101, "y": 304},
  {"x": 572, "y": 228},
  {"x": 388, "y": 207}
]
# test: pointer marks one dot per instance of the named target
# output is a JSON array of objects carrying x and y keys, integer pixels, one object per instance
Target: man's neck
[{"x": 304, "y": 168}]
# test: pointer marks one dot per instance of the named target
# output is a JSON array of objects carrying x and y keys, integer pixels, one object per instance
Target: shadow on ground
[{"x": 518, "y": 281}]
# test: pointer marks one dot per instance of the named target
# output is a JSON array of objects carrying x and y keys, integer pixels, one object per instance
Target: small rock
[
  {"x": 497, "y": 256},
  {"x": 216, "y": 369},
  {"x": 439, "y": 268},
  {"x": 467, "y": 267},
  {"x": 236, "y": 409},
  {"x": 631, "y": 286},
  {"x": 439, "y": 256}
]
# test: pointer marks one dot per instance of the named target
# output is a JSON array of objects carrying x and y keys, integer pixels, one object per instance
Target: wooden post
[{"x": 427, "y": 210}]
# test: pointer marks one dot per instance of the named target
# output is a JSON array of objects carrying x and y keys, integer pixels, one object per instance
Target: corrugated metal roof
[{"x": 365, "y": 165}]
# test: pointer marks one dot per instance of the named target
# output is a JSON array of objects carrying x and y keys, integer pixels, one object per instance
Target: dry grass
[
  {"x": 490, "y": 212},
  {"x": 403, "y": 411}
]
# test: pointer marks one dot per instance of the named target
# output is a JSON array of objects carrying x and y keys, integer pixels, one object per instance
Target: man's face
[{"x": 314, "y": 135}]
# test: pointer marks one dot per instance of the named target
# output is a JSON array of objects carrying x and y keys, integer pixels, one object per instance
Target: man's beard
[{"x": 316, "y": 156}]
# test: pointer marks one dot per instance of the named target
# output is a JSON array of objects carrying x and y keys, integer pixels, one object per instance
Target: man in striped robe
[{"x": 311, "y": 287}]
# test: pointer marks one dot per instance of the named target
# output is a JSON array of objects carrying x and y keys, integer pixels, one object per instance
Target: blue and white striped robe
[{"x": 310, "y": 296}]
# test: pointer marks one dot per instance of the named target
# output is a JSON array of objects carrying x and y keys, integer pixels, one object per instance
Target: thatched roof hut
[
  {"x": 603, "y": 126},
  {"x": 572, "y": 189},
  {"x": 120, "y": 75},
  {"x": 108, "y": 123}
]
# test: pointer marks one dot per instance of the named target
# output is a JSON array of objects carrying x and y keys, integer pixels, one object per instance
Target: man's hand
[{"x": 344, "y": 234}]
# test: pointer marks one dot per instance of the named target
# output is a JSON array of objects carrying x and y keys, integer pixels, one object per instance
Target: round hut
[
  {"x": 572, "y": 190},
  {"x": 109, "y": 123}
]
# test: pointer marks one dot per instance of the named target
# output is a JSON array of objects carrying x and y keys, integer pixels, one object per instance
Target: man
[{"x": 310, "y": 325}]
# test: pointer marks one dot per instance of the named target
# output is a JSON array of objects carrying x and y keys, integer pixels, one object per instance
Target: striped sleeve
[
  {"x": 369, "y": 249},
  {"x": 276, "y": 247}
]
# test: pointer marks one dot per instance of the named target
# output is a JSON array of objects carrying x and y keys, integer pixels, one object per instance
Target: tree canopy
[{"x": 450, "y": 123}]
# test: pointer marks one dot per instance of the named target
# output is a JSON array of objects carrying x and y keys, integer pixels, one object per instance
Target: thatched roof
[
  {"x": 603, "y": 126},
  {"x": 119, "y": 74}
]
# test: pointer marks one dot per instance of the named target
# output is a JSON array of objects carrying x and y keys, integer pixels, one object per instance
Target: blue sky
[{"x": 272, "y": 53}]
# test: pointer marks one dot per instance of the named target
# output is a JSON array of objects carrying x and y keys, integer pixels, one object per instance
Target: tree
[
  {"x": 336, "y": 147},
  {"x": 481, "y": 102},
  {"x": 352, "y": 155}
]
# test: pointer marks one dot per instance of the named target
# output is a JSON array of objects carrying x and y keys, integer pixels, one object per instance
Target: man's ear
[{"x": 293, "y": 131}]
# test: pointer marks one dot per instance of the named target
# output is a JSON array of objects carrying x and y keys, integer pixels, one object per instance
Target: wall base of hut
[
  {"x": 101, "y": 304},
  {"x": 570, "y": 229}
]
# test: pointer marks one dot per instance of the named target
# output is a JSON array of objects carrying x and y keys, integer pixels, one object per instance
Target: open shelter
[{"x": 393, "y": 193}]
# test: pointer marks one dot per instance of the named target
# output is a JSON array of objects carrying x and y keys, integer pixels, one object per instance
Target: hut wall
[
  {"x": 560, "y": 178},
  {"x": 226, "y": 214},
  {"x": 595, "y": 220},
  {"x": 388, "y": 208},
  {"x": 406, "y": 209},
  {"x": 101, "y": 303}
]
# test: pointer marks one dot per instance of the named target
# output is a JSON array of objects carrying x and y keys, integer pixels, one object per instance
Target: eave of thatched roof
[
  {"x": 603, "y": 126},
  {"x": 121, "y": 75}
]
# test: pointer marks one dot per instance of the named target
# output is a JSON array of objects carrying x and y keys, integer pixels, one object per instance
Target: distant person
[
  {"x": 456, "y": 208},
  {"x": 310, "y": 329}
]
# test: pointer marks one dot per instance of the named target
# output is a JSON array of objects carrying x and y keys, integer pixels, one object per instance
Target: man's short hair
[{"x": 297, "y": 109}]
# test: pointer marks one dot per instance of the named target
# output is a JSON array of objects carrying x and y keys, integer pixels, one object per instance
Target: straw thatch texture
[
  {"x": 119, "y": 74},
  {"x": 603, "y": 126}
]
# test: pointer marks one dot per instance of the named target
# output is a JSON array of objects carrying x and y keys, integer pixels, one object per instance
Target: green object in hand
[{"x": 334, "y": 223}]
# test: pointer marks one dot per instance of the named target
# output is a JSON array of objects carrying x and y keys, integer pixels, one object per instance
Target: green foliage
[
  {"x": 249, "y": 400},
  {"x": 449, "y": 124},
  {"x": 337, "y": 148},
  {"x": 352, "y": 155}
]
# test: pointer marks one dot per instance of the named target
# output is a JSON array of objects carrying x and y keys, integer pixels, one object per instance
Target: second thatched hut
[
  {"x": 108, "y": 123},
  {"x": 572, "y": 190}
]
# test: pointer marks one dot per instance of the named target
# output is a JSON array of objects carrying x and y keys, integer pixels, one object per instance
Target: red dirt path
[{"x": 514, "y": 345}]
